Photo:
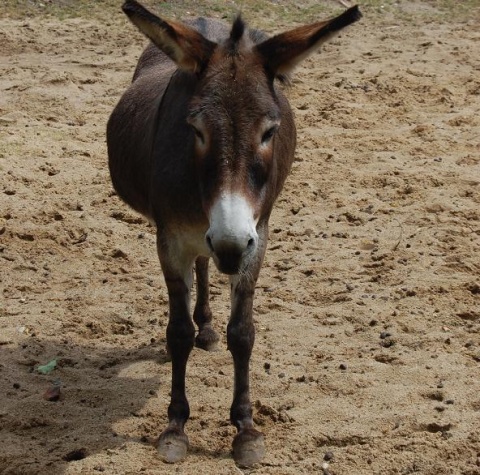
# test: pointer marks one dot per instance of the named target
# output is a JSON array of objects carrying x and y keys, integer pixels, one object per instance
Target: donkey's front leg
[
  {"x": 248, "y": 445},
  {"x": 173, "y": 442}
]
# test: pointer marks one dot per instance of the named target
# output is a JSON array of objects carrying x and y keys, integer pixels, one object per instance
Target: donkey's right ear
[
  {"x": 283, "y": 52},
  {"x": 189, "y": 49}
]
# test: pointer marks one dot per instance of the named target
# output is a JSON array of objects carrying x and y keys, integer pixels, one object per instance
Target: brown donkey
[{"x": 201, "y": 144}]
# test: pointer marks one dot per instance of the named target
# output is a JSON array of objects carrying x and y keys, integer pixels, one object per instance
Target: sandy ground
[{"x": 368, "y": 306}]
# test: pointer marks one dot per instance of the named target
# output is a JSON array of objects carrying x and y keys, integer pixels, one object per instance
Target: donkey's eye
[
  {"x": 199, "y": 134},
  {"x": 267, "y": 136}
]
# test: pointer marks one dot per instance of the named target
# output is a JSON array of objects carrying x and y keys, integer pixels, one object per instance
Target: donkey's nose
[
  {"x": 230, "y": 251},
  {"x": 232, "y": 236}
]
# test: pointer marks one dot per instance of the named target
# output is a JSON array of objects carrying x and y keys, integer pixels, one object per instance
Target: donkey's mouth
[{"x": 228, "y": 263}]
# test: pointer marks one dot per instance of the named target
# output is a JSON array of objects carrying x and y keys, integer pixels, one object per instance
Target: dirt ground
[{"x": 367, "y": 357}]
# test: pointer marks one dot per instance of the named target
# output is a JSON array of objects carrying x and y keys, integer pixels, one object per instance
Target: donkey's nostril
[{"x": 251, "y": 242}]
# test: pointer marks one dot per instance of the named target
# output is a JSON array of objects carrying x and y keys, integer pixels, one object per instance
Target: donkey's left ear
[
  {"x": 283, "y": 52},
  {"x": 185, "y": 46}
]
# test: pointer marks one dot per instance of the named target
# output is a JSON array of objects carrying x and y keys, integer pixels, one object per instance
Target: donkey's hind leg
[{"x": 207, "y": 337}]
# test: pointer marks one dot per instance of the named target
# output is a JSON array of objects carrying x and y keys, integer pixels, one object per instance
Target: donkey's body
[{"x": 201, "y": 143}]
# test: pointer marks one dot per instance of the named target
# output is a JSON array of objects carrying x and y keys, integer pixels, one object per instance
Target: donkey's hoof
[
  {"x": 172, "y": 445},
  {"x": 207, "y": 339},
  {"x": 248, "y": 447}
]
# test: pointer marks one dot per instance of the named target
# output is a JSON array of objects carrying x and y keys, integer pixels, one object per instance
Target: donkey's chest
[{"x": 185, "y": 240}]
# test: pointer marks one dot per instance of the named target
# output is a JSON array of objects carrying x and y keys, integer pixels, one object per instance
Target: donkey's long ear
[
  {"x": 184, "y": 45},
  {"x": 283, "y": 52}
]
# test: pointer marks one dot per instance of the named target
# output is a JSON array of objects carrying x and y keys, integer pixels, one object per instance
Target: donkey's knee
[
  {"x": 240, "y": 339},
  {"x": 180, "y": 338}
]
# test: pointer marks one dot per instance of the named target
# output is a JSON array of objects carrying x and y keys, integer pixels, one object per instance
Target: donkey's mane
[{"x": 239, "y": 28}]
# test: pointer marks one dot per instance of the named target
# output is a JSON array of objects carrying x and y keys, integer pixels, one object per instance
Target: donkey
[{"x": 201, "y": 144}]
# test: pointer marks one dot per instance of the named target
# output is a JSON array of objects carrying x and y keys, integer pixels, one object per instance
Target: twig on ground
[{"x": 400, "y": 237}]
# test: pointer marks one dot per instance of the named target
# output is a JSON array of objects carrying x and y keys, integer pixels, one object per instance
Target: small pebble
[
  {"x": 384, "y": 335},
  {"x": 118, "y": 254},
  {"x": 328, "y": 456},
  {"x": 343, "y": 366},
  {"x": 387, "y": 343},
  {"x": 52, "y": 394}
]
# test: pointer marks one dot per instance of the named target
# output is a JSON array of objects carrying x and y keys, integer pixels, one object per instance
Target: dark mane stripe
[
  {"x": 236, "y": 34},
  {"x": 238, "y": 29}
]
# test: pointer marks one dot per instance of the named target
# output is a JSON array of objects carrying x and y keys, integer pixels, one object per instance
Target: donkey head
[{"x": 243, "y": 142}]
